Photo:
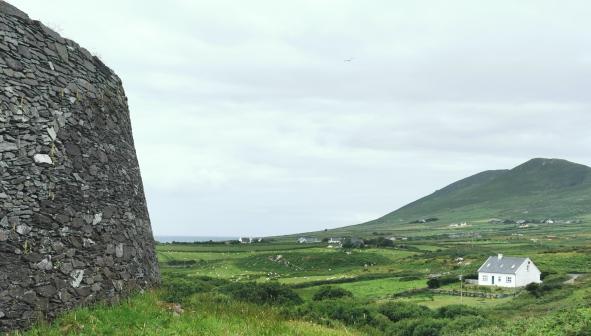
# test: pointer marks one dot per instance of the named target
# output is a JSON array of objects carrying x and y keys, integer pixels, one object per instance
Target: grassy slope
[
  {"x": 537, "y": 189},
  {"x": 203, "y": 315},
  {"x": 213, "y": 313}
]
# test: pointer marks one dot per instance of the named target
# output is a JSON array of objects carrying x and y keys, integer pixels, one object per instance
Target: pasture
[{"x": 275, "y": 288}]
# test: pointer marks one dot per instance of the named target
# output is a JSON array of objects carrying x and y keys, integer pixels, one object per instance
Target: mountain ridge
[{"x": 537, "y": 188}]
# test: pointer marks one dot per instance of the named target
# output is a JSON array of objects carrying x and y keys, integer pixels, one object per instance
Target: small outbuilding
[
  {"x": 510, "y": 272},
  {"x": 308, "y": 240}
]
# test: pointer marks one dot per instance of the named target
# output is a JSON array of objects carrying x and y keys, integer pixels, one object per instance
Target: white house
[
  {"x": 335, "y": 241},
  {"x": 508, "y": 272},
  {"x": 308, "y": 240}
]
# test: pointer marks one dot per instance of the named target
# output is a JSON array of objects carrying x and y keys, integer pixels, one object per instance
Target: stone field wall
[{"x": 74, "y": 227}]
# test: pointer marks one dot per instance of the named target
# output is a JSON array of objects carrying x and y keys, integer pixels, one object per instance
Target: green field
[
  {"x": 279, "y": 287},
  {"x": 272, "y": 288}
]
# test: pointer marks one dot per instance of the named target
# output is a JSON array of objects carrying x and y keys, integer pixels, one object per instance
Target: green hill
[{"x": 538, "y": 189}]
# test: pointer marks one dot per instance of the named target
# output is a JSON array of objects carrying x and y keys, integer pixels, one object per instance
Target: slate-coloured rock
[{"x": 74, "y": 227}]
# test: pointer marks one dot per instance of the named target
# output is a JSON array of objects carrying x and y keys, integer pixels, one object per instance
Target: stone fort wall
[{"x": 74, "y": 227}]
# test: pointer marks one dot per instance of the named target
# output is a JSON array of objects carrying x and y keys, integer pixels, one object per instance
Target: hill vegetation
[
  {"x": 537, "y": 190},
  {"x": 407, "y": 287},
  {"x": 228, "y": 289}
]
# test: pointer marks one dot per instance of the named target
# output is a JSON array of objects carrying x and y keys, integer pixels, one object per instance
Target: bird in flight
[{"x": 349, "y": 60}]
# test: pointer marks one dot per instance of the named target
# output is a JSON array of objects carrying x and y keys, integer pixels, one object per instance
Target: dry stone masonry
[{"x": 74, "y": 227}]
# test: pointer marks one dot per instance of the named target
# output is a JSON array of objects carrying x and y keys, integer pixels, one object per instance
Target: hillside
[{"x": 537, "y": 189}]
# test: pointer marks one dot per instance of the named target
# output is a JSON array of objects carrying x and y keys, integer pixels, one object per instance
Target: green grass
[
  {"x": 438, "y": 301},
  {"x": 316, "y": 263},
  {"x": 234, "y": 289},
  {"x": 203, "y": 315},
  {"x": 371, "y": 289},
  {"x": 212, "y": 309}
]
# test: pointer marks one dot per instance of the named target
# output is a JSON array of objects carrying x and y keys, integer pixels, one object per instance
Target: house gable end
[{"x": 523, "y": 267}]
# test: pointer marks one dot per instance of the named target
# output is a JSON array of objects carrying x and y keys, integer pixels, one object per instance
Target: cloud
[{"x": 248, "y": 120}]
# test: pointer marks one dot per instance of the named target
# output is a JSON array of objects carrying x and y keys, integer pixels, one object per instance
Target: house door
[{"x": 493, "y": 279}]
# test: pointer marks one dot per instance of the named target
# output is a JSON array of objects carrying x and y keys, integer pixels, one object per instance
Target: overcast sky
[{"x": 249, "y": 120}]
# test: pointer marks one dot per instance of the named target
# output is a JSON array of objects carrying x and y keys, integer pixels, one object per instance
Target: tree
[
  {"x": 433, "y": 283},
  {"x": 533, "y": 288}
]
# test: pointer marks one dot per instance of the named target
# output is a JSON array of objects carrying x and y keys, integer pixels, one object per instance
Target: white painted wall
[
  {"x": 527, "y": 275},
  {"x": 500, "y": 280}
]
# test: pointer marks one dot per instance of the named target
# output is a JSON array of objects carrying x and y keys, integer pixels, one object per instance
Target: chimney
[{"x": 500, "y": 256}]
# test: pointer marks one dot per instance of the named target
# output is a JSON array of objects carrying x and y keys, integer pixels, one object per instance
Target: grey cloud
[{"x": 247, "y": 120}]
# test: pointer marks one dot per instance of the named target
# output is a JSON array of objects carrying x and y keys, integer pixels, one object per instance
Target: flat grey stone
[
  {"x": 45, "y": 265},
  {"x": 7, "y": 147},
  {"x": 46, "y": 291}
]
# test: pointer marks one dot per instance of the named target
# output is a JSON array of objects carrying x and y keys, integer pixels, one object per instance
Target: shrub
[
  {"x": 397, "y": 311},
  {"x": 428, "y": 327},
  {"x": 178, "y": 288},
  {"x": 329, "y": 292},
  {"x": 532, "y": 287},
  {"x": 538, "y": 290},
  {"x": 346, "y": 311},
  {"x": 185, "y": 263},
  {"x": 417, "y": 327},
  {"x": 350, "y": 243},
  {"x": 457, "y": 310},
  {"x": 380, "y": 242},
  {"x": 544, "y": 274},
  {"x": 463, "y": 324},
  {"x": 267, "y": 293},
  {"x": 433, "y": 283}
]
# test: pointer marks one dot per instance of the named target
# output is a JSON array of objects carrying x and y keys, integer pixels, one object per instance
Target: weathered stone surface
[
  {"x": 23, "y": 229},
  {"x": 74, "y": 226},
  {"x": 46, "y": 291},
  {"x": 42, "y": 159},
  {"x": 7, "y": 146}
]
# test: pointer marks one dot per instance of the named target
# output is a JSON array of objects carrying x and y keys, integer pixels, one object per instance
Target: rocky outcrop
[{"x": 74, "y": 227}]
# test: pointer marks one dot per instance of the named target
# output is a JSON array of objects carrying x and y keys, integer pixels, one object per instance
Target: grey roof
[{"x": 505, "y": 265}]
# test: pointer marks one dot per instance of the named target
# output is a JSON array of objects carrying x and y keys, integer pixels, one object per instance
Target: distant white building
[
  {"x": 308, "y": 240},
  {"x": 510, "y": 272}
]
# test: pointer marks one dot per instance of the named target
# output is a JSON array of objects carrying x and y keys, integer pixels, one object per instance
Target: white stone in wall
[
  {"x": 77, "y": 276},
  {"x": 119, "y": 251},
  {"x": 97, "y": 218},
  {"x": 52, "y": 133},
  {"x": 23, "y": 229},
  {"x": 42, "y": 158}
]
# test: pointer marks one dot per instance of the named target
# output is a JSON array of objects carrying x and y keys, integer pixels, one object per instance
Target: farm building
[
  {"x": 336, "y": 240},
  {"x": 308, "y": 240},
  {"x": 250, "y": 240},
  {"x": 508, "y": 272}
]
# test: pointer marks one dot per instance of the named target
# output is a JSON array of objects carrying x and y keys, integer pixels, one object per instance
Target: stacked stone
[{"x": 74, "y": 226}]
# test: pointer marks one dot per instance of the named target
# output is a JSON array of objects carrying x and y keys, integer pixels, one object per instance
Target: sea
[{"x": 191, "y": 239}]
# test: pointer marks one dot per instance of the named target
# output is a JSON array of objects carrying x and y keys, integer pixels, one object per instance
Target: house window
[
  {"x": 484, "y": 278},
  {"x": 500, "y": 279},
  {"x": 508, "y": 280}
]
